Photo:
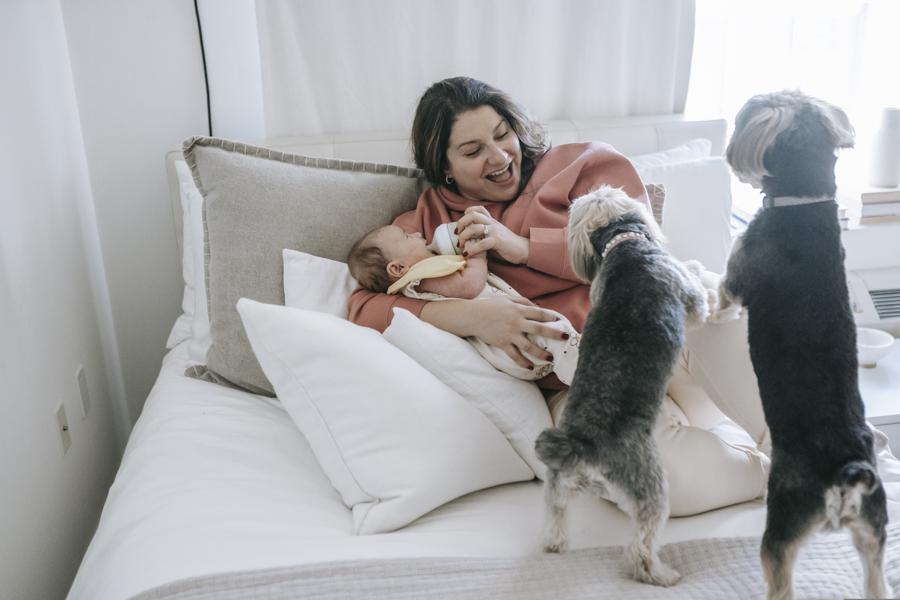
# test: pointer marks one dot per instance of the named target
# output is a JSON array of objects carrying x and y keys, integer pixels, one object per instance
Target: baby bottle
[{"x": 445, "y": 239}]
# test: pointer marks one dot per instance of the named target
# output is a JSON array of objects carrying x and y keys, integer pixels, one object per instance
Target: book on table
[
  {"x": 880, "y": 209},
  {"x": 879, "y": 195},
  {"x": 879, "y": 219}
]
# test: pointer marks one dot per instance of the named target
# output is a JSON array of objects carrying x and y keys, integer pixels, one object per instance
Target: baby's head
[{"x": 384, "y": 255}]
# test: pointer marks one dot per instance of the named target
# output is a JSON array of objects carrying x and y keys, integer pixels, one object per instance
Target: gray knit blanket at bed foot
[{"x": 717, "y": 569}]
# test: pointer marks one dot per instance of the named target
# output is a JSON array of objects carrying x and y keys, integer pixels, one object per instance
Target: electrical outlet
[
  {"x": 62, "y": 423},
  {"x": 83, "y": 391}
]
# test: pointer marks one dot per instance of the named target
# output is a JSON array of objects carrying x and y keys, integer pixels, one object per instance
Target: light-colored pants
[{"x": 710, "y": 461}]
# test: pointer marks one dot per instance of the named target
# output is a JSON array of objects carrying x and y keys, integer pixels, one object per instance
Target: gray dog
[
  {"x": 641, "y": 299},
  {"x": 788, "y": 271}
]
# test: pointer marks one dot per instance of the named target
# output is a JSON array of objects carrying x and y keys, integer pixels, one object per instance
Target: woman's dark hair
[{"x": 438, "y": 109}]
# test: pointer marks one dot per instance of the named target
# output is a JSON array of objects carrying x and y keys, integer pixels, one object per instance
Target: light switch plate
[{"x": 62, "y": 423}]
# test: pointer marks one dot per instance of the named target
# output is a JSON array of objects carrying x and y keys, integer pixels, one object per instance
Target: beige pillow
[
  {"x": 657, "y": 194},
  {"x": 259, "y": 201}
]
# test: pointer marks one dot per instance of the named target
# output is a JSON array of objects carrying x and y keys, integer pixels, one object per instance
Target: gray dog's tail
[
  {"x": 852, "y": 482},
  {"x": 557, "y": 450}
]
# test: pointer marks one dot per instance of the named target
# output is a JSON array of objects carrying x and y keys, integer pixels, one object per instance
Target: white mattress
[{"x": 216, "y": 480}]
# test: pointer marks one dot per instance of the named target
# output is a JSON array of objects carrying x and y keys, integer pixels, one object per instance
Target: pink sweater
[{"x": 540, "y": 214}]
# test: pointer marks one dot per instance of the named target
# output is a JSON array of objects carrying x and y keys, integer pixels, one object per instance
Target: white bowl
[{"x": 872, "y": 345}]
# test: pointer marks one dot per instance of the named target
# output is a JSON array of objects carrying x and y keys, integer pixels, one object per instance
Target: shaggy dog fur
[
  {"x": 788, "y": 271},
  {"x": 631, "y": 340}
]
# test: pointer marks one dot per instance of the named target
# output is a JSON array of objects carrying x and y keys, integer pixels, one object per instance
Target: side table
[{"x": 880, "y": 390}]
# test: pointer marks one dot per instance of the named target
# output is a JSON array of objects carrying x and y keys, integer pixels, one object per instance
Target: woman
[{"x": 493, "y": 171}]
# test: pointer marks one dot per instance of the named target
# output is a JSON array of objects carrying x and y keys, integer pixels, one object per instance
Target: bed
[{"x": 220, "y": 494}]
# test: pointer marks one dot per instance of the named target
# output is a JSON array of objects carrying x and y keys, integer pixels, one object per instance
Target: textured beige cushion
[
  {"x": 657, "y": 194},
  {"x": 259, "y": 201}
]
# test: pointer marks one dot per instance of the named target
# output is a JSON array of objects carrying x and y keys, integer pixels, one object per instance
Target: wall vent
[{"x": 887, "y": 303}]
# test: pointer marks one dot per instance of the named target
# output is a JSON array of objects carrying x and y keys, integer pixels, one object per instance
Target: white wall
[
  {"x": 94, "y": 92},
  {"x": 53, "y": 314},
  {"x": 231, "y": 41},
  {"x": 139, "y": 83}
]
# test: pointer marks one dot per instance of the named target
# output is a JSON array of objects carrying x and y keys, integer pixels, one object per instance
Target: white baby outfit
[{"x": 565, "y": 352}]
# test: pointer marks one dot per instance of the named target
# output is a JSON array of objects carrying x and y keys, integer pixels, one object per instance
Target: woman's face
[{"x": 484, "y": 156}]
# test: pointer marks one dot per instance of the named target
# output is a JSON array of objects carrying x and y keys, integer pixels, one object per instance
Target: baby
[{"x": 390, "y": 260}]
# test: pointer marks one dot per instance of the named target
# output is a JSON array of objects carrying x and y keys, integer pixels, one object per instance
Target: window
[{"x": 843, "y": 51}]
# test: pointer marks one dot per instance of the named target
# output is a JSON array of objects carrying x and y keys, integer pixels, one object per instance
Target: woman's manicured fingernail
[
  {"x": 465, "y": 253},
  {"x": 531, "y": 368},
  {"x": 456, "y": 231},
  {"x": 565, "y": 336}
]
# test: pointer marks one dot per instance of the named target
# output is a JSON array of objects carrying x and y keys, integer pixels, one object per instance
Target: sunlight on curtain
[
  {"x": 346, "y": 65},
  {"x": 844, "y": 51}
]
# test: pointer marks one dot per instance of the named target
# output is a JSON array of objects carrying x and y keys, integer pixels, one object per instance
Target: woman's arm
[
  {"x": 546, "y": 250},
  {"x": 499, "y": 321},
  {"x": 371, "y": 309},
  {"x": 539, "y": 238},
  {"x": 466, "y": 284}
]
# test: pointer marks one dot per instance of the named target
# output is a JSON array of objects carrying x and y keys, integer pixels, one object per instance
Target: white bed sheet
[{"x": 216, "y": 480}]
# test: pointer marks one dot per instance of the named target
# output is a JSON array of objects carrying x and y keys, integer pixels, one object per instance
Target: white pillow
[
  {"x": 181, "y": 330},
  {"x": 694, "y": 149},
  {"x": 193, "y": 324},
  {"x": 515, "y": 406},
  {"x": 697, "y": 211},
  {"x": 315, "y": 283},
  {"x": 395, "y": 442}
]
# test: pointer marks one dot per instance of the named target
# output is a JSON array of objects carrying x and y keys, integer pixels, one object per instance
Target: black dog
[{"x": 788, "y": 271}]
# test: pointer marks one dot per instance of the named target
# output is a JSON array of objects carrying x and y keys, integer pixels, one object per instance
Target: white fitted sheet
[{"x": 216, "y": 480}]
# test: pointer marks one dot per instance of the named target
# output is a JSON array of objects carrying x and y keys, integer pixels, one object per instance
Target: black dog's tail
[
  {"x": 558, "y": 450},
  {"x": 852, "y": 483},
  {"x": 860, "y": 475}
]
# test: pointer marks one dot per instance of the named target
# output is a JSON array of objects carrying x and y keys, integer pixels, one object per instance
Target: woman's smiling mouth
[{"x": 502, "y": 175}]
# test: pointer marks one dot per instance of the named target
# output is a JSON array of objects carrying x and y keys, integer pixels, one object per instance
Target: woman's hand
[
  {"x": 478, "y": 232},
  {"x": 500, "y": 321}
]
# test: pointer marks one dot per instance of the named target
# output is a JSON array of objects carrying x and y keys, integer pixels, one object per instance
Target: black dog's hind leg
[
  {"x": 869, "y": 537},
  {"x": 792, "y": 517}
]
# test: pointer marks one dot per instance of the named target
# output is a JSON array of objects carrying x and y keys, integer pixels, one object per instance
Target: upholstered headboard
[{"x": 629, "y": 135}]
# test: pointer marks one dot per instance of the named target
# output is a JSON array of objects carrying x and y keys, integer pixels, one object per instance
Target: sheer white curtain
[
  {"x": 844, "y": 51},
  {"x": 350, "y": 65}
]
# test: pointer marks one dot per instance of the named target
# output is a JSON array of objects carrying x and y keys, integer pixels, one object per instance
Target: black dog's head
[{"x": 785, "y": 143}]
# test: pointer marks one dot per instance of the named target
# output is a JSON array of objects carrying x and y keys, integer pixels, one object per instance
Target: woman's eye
[
  {"x": 473, "y": 152},
  {"x": 503, "y": 135}
]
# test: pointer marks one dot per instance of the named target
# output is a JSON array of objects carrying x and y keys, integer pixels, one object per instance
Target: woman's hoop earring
[{"x": 449, "y": 180}]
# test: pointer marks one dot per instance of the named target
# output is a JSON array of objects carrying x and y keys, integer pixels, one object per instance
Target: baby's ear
[{"x": 396, "y": 270}]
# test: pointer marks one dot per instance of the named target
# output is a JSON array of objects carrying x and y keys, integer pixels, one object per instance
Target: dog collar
[
  {"x": 778, "y": 201},
  {"x": 619, "y": 238}
]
